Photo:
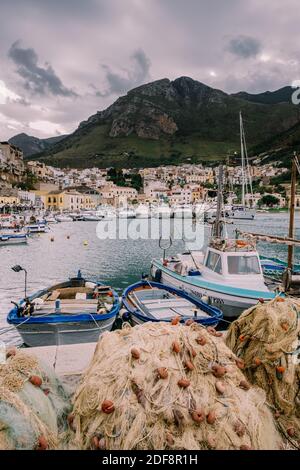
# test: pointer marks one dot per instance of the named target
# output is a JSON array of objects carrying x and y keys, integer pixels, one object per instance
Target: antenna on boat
[
  {"x": 17, "y": 268},
  {"x": 164, "y": 248},
  {"x": 292, "y": 210},
  {"x": 217, "y": 228}
]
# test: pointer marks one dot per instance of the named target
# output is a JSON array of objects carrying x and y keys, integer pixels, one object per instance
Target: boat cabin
[{"x": 233, "y": 262}]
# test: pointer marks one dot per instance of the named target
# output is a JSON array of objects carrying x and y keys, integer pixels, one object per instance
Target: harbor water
[{"x": 117, "y": 263}]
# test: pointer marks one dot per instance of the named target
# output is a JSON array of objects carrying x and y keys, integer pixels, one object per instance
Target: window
[
  {"x": 49, "y": 200},
  {"x": 214, "y": 262},
  {"x": 243, "y": 265}
]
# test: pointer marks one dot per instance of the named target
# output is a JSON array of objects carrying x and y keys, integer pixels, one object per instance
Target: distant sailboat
[{"x": 243, "y": 210}]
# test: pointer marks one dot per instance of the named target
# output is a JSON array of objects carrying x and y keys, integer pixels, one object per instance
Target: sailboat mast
[
  {"x": 292, "y": 211},
  {"x": 218, "y": 230},
  {"x": 243, "y": 159}
]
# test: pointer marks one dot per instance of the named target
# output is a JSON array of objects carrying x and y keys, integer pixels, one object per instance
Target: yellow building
[{"x": 9, "y": 200}]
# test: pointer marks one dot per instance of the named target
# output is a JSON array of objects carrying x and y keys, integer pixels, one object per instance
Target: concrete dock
[{"x": 69, "y": 361}]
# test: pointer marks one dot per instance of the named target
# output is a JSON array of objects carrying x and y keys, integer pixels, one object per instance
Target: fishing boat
[
  {"x": 152, "y": 301},
  {"x": 13, "y": 238},
  {"x": 63, "y": 218},
  {"x": 37, "y": 228},
  {"x": 93, "y": 217},
  {"x": 228, "y": 273},
  {"x": 75, "y": 311}
]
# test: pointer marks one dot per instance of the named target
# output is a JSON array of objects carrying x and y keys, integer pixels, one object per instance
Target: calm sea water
[{"x": 115, "y": 262}]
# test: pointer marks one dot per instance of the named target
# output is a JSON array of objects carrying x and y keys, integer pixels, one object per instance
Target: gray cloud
[
  {"x": 244, "y": 46},
  {"x": 37, "y": 80},
  {"x": 131, "y": 78}
]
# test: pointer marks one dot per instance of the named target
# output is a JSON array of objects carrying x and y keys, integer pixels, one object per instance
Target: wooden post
[{"x": 292, "y": 211}]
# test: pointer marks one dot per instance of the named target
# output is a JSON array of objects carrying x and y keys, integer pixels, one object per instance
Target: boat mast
[
  {"x": 292, "y": 211},
  {"x": 243, "y": 159},
  {"x": 218, "y": 228}
]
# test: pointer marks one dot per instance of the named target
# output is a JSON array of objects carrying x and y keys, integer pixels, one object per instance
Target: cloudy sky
[{"x": 62, "y": 60}]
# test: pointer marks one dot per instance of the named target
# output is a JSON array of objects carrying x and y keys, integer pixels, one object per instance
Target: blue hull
[{"x": 215, "y": 314}]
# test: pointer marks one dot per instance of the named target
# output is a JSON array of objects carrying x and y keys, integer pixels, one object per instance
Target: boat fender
[
  {"x": 205, "y": 299},
  {"x": 157, "y": 276},
  {"x": 126, "y": 316}
]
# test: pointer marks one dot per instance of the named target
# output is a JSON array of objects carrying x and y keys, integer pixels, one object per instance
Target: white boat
[
  {"x": 63, "y": 218},
  {"x": 163, "y": 211},
  {"x": 13, "y": 238},
  {"x": 93, "y": 217},
  {"x": 201, "y": 208},
  {"x": 37, "y": 228},
  {"x": 126, "y": 213},
  {"x": 228, "y": 275},
  {"x": 50, "y": 219},
  {"x": 239, "y": 211},
  {"x": 106, "y": 213},
  {"x": 143, "y": 212},
  {"x": 184, "y": 211}
]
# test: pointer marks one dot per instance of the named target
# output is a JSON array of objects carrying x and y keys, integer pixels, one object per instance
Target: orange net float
[{"x": 241, "y": 243}]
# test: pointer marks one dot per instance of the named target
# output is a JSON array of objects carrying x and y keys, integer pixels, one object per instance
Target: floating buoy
[
  {"x": 68, "y": 237},
  {"x": 51, "y": 239},
  {"x": 85, "y": 243}
]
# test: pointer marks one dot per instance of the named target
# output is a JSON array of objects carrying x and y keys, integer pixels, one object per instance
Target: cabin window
[
  {"x": 243, "y": 265},
  {"x": 214, "y": 262}
]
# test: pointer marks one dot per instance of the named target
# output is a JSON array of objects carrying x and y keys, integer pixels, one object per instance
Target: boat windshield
[
  {"x": 243, "y": 265},
  {"x": 214, "y": 262}
]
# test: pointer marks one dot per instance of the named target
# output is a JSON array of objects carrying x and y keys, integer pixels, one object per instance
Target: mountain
[
  {"x": 283, "y": 95},
  {"x": 173, "y": 122},
  {"x": 31, "y": 145}
]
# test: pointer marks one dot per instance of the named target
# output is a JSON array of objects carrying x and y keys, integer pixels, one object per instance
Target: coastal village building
[{"x": 12, "y": 167}]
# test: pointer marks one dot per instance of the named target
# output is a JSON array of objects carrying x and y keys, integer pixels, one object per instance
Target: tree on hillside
[{"x": 268, "y": 200}]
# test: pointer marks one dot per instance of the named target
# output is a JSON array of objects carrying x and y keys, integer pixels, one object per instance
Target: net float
[
  {"x": 257, "y": 361},
  {"x": 35, "y": 380},
  {"x": 201, "y": 340},
  {"x": 280, "y": 369},
  {"x": 245, "y": 447},
  {"x": 94, "y": 442},
  {"x": 70, "y": 419},
  {"x": 211, "y": 417},
  {"x": 244, "y": 385},
  {"x": 220, "y": 387},
  {"x": 291, "y": 431},
  {"x": 102, "y": 444},
  {"x": 176, "y": 347},
  {"x": 170, "y": 439},
  {"x": 107, "y": 407},
  {"x": 280, "y": 299},
  {"x": 11, "y": 352},
  {"x": 183, "y": 383},
  {"x": 239, "y": 429},
  {"x": 135, "y": 353},
  {"x": 198, "y": 416},
  {"x": 189, "y": 365},
  {"x": 192, "y": 352},
  {"x": 42, "y": 443},
  {"x": 240, "y": 363},
  {"x": 218, "y": 371},
  {"x": 175, "y": 320},
  {"x": 162, "y": 372},
  {"x": 189, "y": 322}
]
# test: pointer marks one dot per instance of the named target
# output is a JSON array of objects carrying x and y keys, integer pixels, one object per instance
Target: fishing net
[
  {"x": 266, "y": 338},
  {"x": 164, "y": 386},
  {"x": 33, "y": 403}
]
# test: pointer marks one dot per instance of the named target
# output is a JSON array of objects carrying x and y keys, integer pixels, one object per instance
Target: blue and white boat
[
  {"x": 37, "y": 228},
  {"x": 13, "y": 238},
  {"x": 276, "y": 267},
  {"x": 228, "y": 274},
  {"x": 152, "y": 301},
  {"x": 75, "y": 311}
]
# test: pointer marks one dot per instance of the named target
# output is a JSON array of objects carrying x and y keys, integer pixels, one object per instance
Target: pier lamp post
[{"x": 17, "y": 268}]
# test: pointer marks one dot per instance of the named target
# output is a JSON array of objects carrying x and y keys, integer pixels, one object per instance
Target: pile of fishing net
[
  {"x": 266, "y": 339},
  {"x": 33, "y": 403},
  {"x": 164, "y": 386}
]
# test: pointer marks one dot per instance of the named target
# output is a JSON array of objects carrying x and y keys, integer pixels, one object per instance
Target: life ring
[{"x": 241, "y": 243}]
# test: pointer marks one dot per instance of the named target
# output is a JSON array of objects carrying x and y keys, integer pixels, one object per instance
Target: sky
[{"x": 63, "y": 60}]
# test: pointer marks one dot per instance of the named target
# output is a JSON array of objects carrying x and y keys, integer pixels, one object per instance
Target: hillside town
[{"x": 33, "y": 184}]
